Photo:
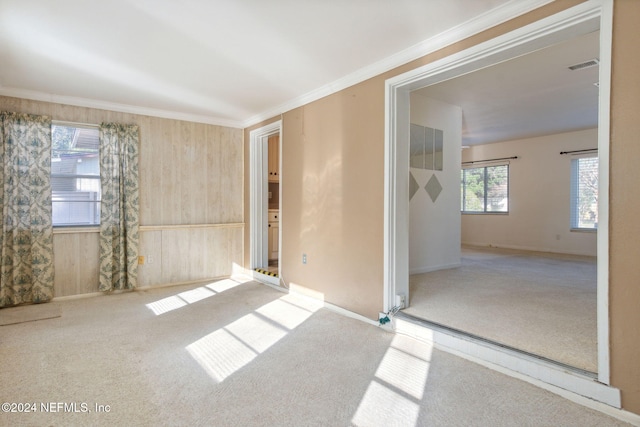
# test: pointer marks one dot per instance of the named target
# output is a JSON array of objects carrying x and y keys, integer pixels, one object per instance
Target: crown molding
[
  {"x": 482, "y": 22},
  {"x": 122, "y": 108}
]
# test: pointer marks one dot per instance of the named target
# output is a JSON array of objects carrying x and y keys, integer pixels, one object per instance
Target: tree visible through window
[
  {"x": 75, "y": 175},
  {"x": 485, "y": 189},
  {"x": 584, "y": 193}
]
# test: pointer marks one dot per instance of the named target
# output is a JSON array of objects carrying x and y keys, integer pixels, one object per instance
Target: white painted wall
[
  {"x": 539, "y": 191},
  {"x": 434, "y": 228}
]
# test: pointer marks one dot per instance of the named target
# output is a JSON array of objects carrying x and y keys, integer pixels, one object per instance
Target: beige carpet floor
[
  {"x": 28, "y": 313},
  {"x": 231, "y": 354},
  {"x": 541, "y": 303}
]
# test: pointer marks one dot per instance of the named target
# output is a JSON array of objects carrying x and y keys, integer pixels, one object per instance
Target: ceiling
[
  {"x": 532, "y": 95},
  {"x": 220, "y": 61},
  {"x": 234, "y": 62}
]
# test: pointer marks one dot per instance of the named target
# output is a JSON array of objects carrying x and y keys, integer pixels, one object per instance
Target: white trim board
[
  {"x": 332, "y": 307},
  {"x": 421, "y": 270},
  {"x": 573, "y": 386},
  {"x": 581, "y": 19},
  {"x": 114, "y": 106},
  {"x": 336, "y": 309},
  {"x": 258, "y": 193},
  {"x": 482, "y": 22},
  {"x": 264, "y": 278},
  {"x": 478, "y": 24},
  {"x": 482, "y": 245}
]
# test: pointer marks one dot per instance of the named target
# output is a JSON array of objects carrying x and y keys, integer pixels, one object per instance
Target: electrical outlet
[
  {"x": 150, "y": 259},
  {"x": 304, "y": 258}
]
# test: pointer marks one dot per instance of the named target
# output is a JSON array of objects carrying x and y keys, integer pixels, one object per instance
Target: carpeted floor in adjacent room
[{"x": 541, "y": 303}]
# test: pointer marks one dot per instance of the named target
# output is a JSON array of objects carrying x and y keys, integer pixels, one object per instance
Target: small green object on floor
[{"x": 384, "y": 320}]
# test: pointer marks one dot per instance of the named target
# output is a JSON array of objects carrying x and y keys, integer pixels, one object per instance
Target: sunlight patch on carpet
[
  {"x": 393, "y": 396},
  {"x": 383, "y": 406},
  {"x": 228, "y": 349},
  {"x": 185, "y": 298}
]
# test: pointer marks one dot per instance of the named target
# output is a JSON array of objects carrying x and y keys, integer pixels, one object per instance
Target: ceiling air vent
[{"x": 586, "y": 64}]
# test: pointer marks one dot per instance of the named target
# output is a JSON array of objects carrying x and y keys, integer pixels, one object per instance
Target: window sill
[
  {"x": 583, "y": 230},
  {"x": 484, "y": 213},
  {"x": 76, "y": 229}
]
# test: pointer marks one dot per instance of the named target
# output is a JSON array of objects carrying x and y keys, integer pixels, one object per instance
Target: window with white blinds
[
  {"x": 584, "y": 193},
  {"x": 485, "y": 189},
  {"x": 75, "y": 175}
]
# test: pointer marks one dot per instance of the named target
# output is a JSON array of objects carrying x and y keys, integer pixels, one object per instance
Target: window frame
[
  {"x": 574, "y": 202},
  {"x": 62, "y": 228},
  {"x": 484, "y": 179}
]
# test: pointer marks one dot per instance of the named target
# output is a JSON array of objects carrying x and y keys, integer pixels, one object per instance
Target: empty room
[
  {"x": 528, "y": 197},
  {"x": 209, "y": 216}
]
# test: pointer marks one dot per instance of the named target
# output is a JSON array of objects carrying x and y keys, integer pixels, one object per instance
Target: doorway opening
[
  {"x": 526, "y": 275},
  {"x": 579, "y": 20},
  {"x": 264, "y": 221}
]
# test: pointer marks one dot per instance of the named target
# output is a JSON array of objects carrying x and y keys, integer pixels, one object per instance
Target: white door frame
[
  {"x": 258, "y": 195},
  {"x": 575, "y": 21}
]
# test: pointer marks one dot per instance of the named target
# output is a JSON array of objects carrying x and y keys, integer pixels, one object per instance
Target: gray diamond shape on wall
[
  {"x": 413, "y": 186},
  {"x": 433, "y": 187}
]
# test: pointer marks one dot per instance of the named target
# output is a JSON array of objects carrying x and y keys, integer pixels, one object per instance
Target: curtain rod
[
  {"x": 579, "y": 151},
  {"x": 489, "y": 160}
]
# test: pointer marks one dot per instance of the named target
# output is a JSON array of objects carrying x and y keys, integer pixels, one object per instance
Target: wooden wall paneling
[
  {"x": 220, "y": 264},
  {"x": 190, "y": 174},
  {"x": 200, "y": 205},
  {"x": 237, "y": 184},
  {"x": 185, "y": 172},
  {"x": 175, "y": 255},
  {"x": 165, "y": 189},
  {"x": 209, "y": 188},
  {"x": 226, "y": 175},
  {"x": 89, "y": 269},
  {"x": 212, "y": 262},
  {"x": 76, "y": 263},
  {"x": 215, "y": 185},
  {"x": 231, "y": 175},
  {"x": 145, "y": 167},
  {"x": 154, "y": 191},
  {"x": 209, "y": 255},
  {"x": 151, "y": 273},
  {"x": 197, "y": 253},
  {"x": 65, "y": 264},
  {"x": 235, "y": 246}
]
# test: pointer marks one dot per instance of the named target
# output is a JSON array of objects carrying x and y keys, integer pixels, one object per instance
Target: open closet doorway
[
  {"x": 265, "y": 149},
  {"x": 580, "y": 21}
]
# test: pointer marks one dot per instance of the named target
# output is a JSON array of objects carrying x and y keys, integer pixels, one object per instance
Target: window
[
  {"x": 485, "y": 189},
  {"x": 584, "y": 193},
  {"x": 75, "y": 175}
]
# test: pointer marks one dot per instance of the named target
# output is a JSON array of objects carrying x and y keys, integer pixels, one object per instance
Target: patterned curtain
[
  {"x": 119, "y": 210},
  {"x": 26, "y": 242}
]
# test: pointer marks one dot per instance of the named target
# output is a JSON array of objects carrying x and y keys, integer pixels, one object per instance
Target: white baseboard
[
  {"x": 268, "y": 281},
  {"x": 525, "y": 248},
  {"x": 420, "y": 270},
  {"x": 578, "y": 388},
  {"x": 245, "y": 273},
  {"x": 336, "y": 309},
  {"x": 350, "y": 314},
  {"x": 139, "y": 288}
]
